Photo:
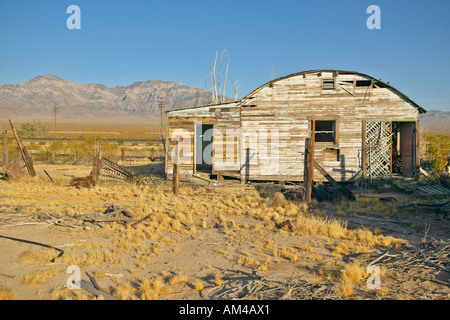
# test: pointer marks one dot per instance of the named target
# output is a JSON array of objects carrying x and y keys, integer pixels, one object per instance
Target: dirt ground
[{"x": 216, "y": 241}]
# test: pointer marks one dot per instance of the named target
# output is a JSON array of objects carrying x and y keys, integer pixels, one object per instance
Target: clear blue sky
[{"x": 121, "y": 42}]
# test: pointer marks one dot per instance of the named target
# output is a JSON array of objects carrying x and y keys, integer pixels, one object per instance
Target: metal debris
[{"x": 61, "y": 252}]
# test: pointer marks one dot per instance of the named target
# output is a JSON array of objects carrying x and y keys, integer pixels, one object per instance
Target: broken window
[
  {"x": 363, "y": 83},
  {"x": 325, "y": 131},
  {"x": 327, "y": 84}
]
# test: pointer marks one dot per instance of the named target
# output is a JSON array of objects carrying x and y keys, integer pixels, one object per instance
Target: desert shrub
[
  {"x": 438, "y": 151},
  {"x": 109, "y": 149},
  {"x": 33, "y": 146},
  {"x": 34, "y": 129},
  {"x": 12, "y": 148},
  {"x": 91, "y": 138},
  {"x": 78, "y": 150},
  {"x": 82, "y": 150},
  {"x": 55, "y": 147}
]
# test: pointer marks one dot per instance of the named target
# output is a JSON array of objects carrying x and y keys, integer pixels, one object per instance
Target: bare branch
[{"x": 225, "y": 82}]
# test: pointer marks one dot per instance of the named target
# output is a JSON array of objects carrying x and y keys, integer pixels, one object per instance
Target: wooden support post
[
  {"x": 417, "y": 148},
  {"x": 96, "y": 162},
  {"x": 313, "y": 145},
  {"x": 194, "y": 154},
  {"x": 308, "y": 170},
  {"x": 176, "y": 167},
  {"x": 333, "y": 182},
  {"x": 5, "y": 149},
  {"x": 29, "y": 162},
  {"x": 152, "y": 154},
  {"x": 23, "y": 152}
]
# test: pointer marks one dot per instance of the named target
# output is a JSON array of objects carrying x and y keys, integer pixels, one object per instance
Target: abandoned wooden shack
[{"x": 360, "y": 127}]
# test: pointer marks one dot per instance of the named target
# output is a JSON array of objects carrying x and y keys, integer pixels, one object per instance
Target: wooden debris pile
[
  {"x": 112, "y": 171},
  {"x": 255, "y": 287},
  {"x": 434, "y": 254},
  {"x": 424, "y": 190},
  {"x": 113, "y": 213},
  {"x": 14, "y": 168},
  {"x": 438, "y": 208},
  {"x": 430, "y": 259}
]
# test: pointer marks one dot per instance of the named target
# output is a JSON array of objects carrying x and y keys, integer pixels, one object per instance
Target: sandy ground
[{"x": 213, "y": 243}]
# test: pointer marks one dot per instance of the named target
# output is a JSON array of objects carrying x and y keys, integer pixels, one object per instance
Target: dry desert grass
[{"x": 191, "y": 245}]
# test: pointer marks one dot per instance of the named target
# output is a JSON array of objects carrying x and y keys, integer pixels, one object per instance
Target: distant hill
[
  {"x": 436, "y": 116},
  {"x": 35, "y": 98},
  {"x": 435, "y": 121}
]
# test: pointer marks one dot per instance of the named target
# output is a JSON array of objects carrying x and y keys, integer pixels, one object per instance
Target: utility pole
[
  {"x": 161, "y": 106},
  {"x": 55, "y": 110}
]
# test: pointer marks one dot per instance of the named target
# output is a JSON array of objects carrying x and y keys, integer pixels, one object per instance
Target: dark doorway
[
  {"x": 404, "y": 148},
  {"x": 408, "y": 148},
  {"x": 203, "y": 147}
]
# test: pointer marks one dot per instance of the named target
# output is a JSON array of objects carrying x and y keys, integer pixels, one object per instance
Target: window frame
[
  {"x": 323, "y": 80},
  {"x": 335, "y": 142}
]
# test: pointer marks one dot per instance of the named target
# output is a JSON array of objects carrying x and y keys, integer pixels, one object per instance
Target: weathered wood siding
[
  {"x": 224, "y": 117},
  {"x": 226, "y": 141},
  {"x": 288, "y": 107}
]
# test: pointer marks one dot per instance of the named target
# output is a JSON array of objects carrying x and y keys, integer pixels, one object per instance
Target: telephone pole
[
  {"x": 161, "y": 106},
  {"x": 55, "y": 111}
]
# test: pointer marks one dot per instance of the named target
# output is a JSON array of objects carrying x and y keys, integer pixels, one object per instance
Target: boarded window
[
  {"x": 325, "y": 131},
  {"x": 327, "y": 84}
]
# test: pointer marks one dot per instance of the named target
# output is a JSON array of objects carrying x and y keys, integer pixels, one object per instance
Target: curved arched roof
[{"x": 375, "y": 81}]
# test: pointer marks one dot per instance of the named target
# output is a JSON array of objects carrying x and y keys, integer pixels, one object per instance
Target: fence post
[
  {"x": 176, "y": 167},
  {"x": 152, "y": 154},
  {"x": 5, "y": 149},
  {"x": 308, "y": 170},
  {"x": 24, "y": 153},
  {"x": 96, "y": 163}
]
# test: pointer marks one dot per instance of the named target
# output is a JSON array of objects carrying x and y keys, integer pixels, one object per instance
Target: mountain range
[
  {"x": 36, "y": 98},
  {"x": 436, "y": 116}
]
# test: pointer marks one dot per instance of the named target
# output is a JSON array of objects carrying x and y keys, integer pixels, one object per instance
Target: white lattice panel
[{"x": 378, "y": 149}]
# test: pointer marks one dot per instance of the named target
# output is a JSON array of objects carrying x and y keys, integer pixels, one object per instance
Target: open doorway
[
  {"x": 404, "y": 148},
  {"x": 203, "y": 147}
]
